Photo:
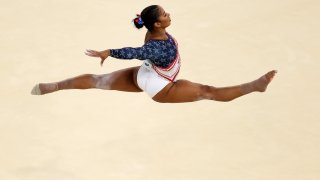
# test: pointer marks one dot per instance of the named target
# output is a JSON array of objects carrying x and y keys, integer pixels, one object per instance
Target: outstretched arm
[{"x": 141, "y": 53}]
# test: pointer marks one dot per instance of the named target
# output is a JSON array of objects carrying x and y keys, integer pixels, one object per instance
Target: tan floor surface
[{"x": 99, "y": 135}]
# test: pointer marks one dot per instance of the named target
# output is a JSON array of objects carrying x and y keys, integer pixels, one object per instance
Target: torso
[{"x": 163, "y": 48}]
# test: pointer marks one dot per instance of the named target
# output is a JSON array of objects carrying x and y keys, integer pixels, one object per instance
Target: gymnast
[{"x": 157, "y": 75}]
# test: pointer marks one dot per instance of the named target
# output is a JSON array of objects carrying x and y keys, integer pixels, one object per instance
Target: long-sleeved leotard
[{"x": 160, "y": 52}]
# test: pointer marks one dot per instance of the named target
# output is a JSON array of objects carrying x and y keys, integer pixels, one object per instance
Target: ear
[{"x": 157, "y": 24}]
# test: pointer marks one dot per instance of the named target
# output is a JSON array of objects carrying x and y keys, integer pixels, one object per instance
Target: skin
[{"x": 175, "y": 92}]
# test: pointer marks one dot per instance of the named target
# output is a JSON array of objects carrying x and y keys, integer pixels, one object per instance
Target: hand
[{"x": 101, "y": 54}]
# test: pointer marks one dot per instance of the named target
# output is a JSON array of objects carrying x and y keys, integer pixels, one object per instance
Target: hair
[{"x": 149, "y": 16}]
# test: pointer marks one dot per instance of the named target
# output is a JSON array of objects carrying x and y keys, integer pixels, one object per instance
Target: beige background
[{"x": 95, "y": 134}]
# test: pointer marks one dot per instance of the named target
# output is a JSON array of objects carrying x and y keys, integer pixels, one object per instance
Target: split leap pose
[{"x": 157, "y": 74}]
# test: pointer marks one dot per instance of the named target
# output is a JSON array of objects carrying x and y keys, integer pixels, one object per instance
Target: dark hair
[{"x": 149, "y": 16}]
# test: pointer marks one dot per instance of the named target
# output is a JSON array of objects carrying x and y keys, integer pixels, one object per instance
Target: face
[{"x": 164, "y": 19}]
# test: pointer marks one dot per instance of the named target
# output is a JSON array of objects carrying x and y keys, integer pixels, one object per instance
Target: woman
[{"x": 157, "y": 75}]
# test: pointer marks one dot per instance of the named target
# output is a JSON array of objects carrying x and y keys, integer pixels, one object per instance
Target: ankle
[{"x": 248, "y": 87}]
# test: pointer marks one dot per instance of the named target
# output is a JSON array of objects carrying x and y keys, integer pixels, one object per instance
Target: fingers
[{"x": 92, "y": 53}]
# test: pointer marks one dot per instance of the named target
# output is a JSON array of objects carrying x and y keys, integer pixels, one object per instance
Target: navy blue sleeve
[
  {"x": 141, "y": 53},
  {"x": 160, "y": 52}
]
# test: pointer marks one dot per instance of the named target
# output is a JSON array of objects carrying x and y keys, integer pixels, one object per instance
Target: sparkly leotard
[{"x": 161, "y": 63}]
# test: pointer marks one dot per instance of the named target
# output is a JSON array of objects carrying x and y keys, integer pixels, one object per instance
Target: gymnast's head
[{"x": 153, "y": 17}]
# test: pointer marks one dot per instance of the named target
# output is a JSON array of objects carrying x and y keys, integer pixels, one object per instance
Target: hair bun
[{"x": 138, "y": 22}]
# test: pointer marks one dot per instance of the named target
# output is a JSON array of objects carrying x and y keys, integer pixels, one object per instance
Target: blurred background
[{"x": 96, "y": 134}]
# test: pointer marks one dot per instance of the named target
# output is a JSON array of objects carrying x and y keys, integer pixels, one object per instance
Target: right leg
[
  {"x": 186, "y": 91},
  {"x": 122, "y": 80}
]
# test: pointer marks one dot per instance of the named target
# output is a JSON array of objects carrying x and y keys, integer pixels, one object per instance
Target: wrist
[{"x": 107, "y": 52}]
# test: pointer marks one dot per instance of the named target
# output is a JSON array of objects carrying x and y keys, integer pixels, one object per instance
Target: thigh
[
  {"x": 123, "y": 80},
  {"x": 180, "y": 91}
]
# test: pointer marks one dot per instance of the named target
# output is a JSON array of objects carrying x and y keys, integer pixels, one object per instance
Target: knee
[
  {"x": 102, "y": 81},
  {"x": 208, "y": 92},
  {"x": 213, "y": 93}
]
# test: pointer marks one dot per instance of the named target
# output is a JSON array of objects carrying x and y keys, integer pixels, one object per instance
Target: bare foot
[
  {"x": 262, "y": 83},
  {"x": 44, "y": 88}
]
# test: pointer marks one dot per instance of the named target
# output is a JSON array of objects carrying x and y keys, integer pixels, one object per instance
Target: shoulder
[{"x": 151, "y": 43}]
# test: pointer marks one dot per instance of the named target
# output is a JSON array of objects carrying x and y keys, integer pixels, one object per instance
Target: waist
[{"x": 169, "y": 73}]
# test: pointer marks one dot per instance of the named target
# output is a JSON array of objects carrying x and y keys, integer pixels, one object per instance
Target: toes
[
  {"x": 271, "y": 74},
  {"x": 36, "y": 90}
]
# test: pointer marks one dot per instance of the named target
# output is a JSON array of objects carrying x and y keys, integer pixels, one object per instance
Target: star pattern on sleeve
[{"x": 160, "y": 52}]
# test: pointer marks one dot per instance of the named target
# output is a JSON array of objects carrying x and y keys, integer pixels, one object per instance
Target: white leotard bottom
[{"x": 149, "y": 80}]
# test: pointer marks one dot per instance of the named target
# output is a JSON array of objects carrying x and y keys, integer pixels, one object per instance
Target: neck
[{"x": 158, "y": 34}]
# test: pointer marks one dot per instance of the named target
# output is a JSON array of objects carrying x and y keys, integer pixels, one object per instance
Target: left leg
[{"x": 186, "y": 91}]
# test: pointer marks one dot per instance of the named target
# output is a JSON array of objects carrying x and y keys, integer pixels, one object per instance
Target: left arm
[{"x": 140, "y": 53}]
